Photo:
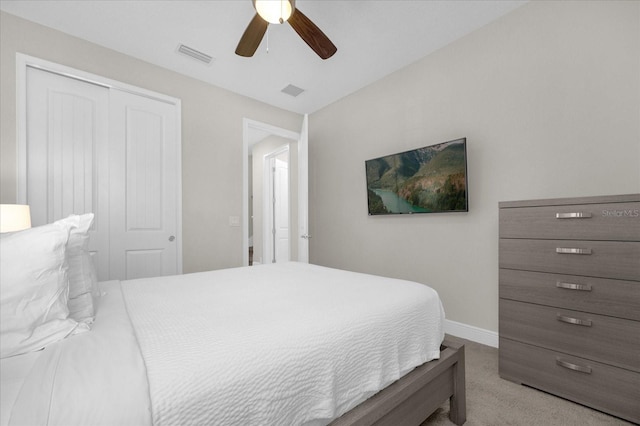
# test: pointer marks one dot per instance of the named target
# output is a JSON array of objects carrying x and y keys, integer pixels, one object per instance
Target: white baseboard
[{"x": 469, "y": 332}]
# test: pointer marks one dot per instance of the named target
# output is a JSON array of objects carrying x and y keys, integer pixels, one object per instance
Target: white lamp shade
[
  {"x": 274, "y": 11},
  {"x": 14, "y": 217}
]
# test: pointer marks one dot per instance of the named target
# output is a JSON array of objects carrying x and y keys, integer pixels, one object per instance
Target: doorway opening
[
  {"x": 260, "y": 139},
  {"x": 273, "y": 200}
]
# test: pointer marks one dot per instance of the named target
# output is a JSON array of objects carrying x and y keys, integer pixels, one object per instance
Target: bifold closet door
[
  {"x": 67, "y": 137},
  {"x": 92, "y": 148}
]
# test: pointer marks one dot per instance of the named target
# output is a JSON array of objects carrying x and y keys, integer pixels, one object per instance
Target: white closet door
[
  {"x": 90, "y": 148},
  {"x": 281, "y": 207},
  {"x": 143, "y": 186},
  {"x": 67, "y": 131}
]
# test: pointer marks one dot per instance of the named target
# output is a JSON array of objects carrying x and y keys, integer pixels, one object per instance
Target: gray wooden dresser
[{"x": 570, "y": 299}]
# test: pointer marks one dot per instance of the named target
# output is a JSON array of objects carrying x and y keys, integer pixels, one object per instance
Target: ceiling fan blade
[
  {"x": 252, "y": 36},
  {"x": 312, "y": 35}
]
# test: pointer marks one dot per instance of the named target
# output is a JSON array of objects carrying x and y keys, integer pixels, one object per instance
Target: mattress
[{"x": 278, "y": 344}]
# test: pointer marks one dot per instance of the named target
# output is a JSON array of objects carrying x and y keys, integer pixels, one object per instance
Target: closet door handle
[
  {"x": 572, "y": 286},
  {"x": 575, "y": 367},
  {"x": 576, "y": 215},
  {"x": 576, "y": 321},
  {"x": 571, "y": 250}
]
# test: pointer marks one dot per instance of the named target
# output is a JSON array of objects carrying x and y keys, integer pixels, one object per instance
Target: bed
[{"x": 287, "y": 343}]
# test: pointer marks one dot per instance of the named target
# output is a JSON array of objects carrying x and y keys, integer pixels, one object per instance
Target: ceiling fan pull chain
[{"x": 267, "y": 39}]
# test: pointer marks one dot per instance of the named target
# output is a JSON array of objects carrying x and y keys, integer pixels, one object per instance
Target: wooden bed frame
[{"x": 413, "y": 398}]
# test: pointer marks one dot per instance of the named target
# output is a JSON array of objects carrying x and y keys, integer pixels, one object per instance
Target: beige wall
[
  {"x": 265, "y": 147},
  {"x": 549, "y": 100},
  {"x": 548, "y": 97},
  {"x": 211, "y": 133}
]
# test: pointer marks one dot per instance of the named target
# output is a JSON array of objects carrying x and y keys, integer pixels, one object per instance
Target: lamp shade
[
  {"x": 274, "y": 11},
  {"x": 14, "y": 217}
]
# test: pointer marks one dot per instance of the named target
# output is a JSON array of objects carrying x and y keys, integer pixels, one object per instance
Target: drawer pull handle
[
  {"x": 572, "y": 286},
  {"x": 574, "y": 367},
  {"x": 566, "y": 250},
  {"x": 578, "y": 215},
  {"x": 576, "y": 321}
]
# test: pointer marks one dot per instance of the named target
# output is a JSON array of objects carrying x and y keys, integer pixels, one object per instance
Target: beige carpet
[{"x": 492, "y": 401}]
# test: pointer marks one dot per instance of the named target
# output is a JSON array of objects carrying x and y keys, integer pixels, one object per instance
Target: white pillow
[
  {"x": 34, "y": 288},
  {"x": 82, "y": 273}
]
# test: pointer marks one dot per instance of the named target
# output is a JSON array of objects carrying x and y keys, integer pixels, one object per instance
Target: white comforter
[{"x": 282, "y": 344}]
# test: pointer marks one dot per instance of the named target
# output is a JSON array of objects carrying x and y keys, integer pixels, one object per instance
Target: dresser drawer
[
  {"x": 605, "y": 259},
  {"x": 597, "y": 337},
  {"x": 616, "y": 298},
  {"x": 610, "y": 389},
  {"x": 613, "y": 221}
]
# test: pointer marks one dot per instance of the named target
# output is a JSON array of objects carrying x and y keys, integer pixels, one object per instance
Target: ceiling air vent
[
  {"x": 292, "y": 90},
  {"x": 195, "y": 54}
]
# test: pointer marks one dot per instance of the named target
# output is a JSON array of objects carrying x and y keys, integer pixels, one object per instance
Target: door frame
[
  {"x": 25, "y": 61},
  {"x": 248, "y": 126}
]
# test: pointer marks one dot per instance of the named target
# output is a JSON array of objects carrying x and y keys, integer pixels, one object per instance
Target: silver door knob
[{"x": 171, "y": 238}]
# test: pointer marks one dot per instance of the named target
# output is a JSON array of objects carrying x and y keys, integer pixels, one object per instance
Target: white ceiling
[{"x": 374, "y": 38}]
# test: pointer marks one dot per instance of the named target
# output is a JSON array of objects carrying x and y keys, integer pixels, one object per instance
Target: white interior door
[
  {"x": 88, "y": 147},
  {"x": 276, "y": 223},
  {"x": 143, "y": 195},
  {"x": 281, "y": 207},
  {"x": 67, "y": 131}
]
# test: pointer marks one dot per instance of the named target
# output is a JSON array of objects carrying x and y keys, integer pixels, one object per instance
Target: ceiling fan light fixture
[
  {"x": 283, "y": 11},
  {"x": 274, "y": 11}
]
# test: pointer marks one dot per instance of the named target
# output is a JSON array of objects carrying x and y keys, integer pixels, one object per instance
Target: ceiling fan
[{"x": 279, "y": 12}]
